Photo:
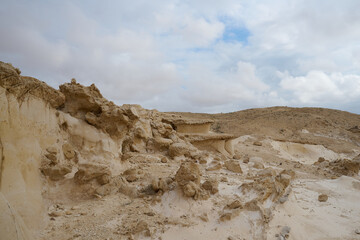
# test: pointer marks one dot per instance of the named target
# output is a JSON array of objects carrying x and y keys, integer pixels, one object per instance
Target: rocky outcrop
[
  {"x": 340, "y": 167},
  {"x": 80, "y": 142},
  {"x": 188, "y": 125},
  {"x": 22, "y": 87},
  {"x": 88, "y": 104}
]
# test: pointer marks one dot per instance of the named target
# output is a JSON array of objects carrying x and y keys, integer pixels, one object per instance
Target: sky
[{"x": 194, "y": 56}]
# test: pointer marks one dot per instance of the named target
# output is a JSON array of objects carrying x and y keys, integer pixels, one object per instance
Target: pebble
[{"x": 323, "y": 198}]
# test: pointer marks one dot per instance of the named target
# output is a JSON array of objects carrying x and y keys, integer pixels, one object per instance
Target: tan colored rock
[
  {"x": 258, "y": 165},
  {"x": 233, "y": 166},
  {"x": 188, "y": 172},
  {"x": 180, "y": 149},
  {"x": 132, "y": 174},
  {"x": 52, "y": 157},
  {"x": 214, "y": 167},
  {"x": 21, "y": 86},
  {"x": 202, "y": 161},
  {"x": 52, "y": 150},
  {"x": 54, "y": 170},
  {"x": 160, "y": 184},
  {"x": 224, "y": 179},
  {"x": 267, "y": 185},
  {"x": 211, "y": 185},
  {"x": 88, "y": 104},
  {"x": 252, "y": 205},
  {"x": 204, "y": 217},
  {"x": 237, "y": 156},
  {"x": 55, "y": 213},
  {"x": 267, "y": 172},
  {"x": 142, "y": 227},
  {"x": 323, "y": 198},
  {"x": 188, "y": 179},
  {"x": 234, "y": 205},
  {"x": 164, "y": 159},
  {"x": 117, "y": 184},
  {"x": 257, "y": 143},
  {"x": 89, "y": 171},
  {"x": 190, "y": 189},
  {"x": 341, "y": 167},
  {"x": 226, "y": 217},
  {"x": 68, "y": 151},
  {"x": 355, "y": 129}
]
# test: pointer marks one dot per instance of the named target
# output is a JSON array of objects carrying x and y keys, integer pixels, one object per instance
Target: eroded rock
[
  {"x": 322, "y": 198},
  {"x": 90, "y": 171},
  {"x": 233, "y": 166}
]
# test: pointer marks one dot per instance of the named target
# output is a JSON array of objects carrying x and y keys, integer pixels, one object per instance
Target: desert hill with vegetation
[{"x": 74, "y": 165}]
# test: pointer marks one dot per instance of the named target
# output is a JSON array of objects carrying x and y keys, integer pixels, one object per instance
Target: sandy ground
[{"x": 175, "y": 217}]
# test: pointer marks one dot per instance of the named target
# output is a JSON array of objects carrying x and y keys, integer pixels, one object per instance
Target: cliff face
[
  {"x": 65, "y": 144},
  {"x": 28, "y": 125},
  {"x": 40, "y": 144}
]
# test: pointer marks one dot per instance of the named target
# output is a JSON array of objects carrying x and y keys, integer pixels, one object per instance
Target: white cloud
[
  {"x": 170, "y": 54},
  {"x": 316, "y": 87},
  {"x": 199, "y": 32},
  {"x": 236, "y": 86}
]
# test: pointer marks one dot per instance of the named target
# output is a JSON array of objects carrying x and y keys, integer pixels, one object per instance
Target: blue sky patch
[{"x": 236, "y": 34}]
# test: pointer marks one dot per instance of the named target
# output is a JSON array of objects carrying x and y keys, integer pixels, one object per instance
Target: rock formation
[{"x": 74, "y": 165}]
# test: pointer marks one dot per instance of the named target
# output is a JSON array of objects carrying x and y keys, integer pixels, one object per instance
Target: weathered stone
[
  {"x": 188, "y": 172},
  {"x": 234, "y": 205},
  {"x": 322, "y": 198},
  {"x": 211, "y": 185},
  {"x": 89, "y": 171},
  {"x": 257, "y": 143},
  {"x": 225, "y": 217},
  {"x": 164, "y": 159},
  {"x": 52, "y": 157},
  {"x": 68, "y": 151},
  {"x": 258, "y": 165},
  {"x": 190, "y": 189},
  {"x": 52, "y": 150},
  {"x": 233, "y": 165},
  {"x": 214, "y": 167},
  {"x": 180, "y": 149},
  {"x": 56, "y": 172},
  {"x": 21, "y": 86}
]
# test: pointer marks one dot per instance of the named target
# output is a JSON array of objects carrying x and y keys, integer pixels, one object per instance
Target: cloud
[
  {"x": 213, "y": 89},
  {"x": 204, "y": 56},
  {"x": 199, "y": 32},
  {"x": 316, "y": 87}
]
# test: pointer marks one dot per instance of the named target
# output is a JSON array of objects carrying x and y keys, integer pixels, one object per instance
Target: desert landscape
[{"x": 77, "y": 166}]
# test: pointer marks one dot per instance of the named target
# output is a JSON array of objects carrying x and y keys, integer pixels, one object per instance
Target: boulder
[{"x": 188, "y": 172}]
